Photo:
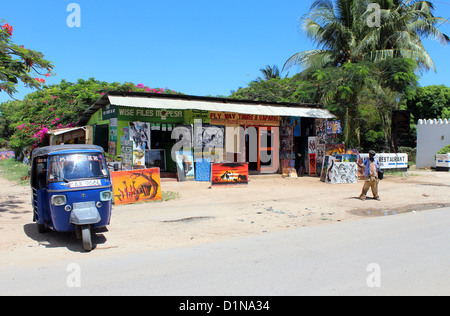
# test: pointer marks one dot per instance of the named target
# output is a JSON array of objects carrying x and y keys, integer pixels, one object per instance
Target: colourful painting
[
  {"x": 334, "y": 149},
  {"x": 327, "y": 163},
  {"x": 289, "y": 172},
  {"x": 202, "y": 170},
  {"x": 136, "y": 186},
  {"x": 229, "y": 173},
  {"x": 185, "y": 166},
  {"x": 6, "y": 155},
  {"x": 334, "y": 127},
  {"x": 312, "y": 164}
]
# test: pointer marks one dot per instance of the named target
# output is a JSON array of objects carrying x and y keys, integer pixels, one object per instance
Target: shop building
[{"x": 142, "y": 129}]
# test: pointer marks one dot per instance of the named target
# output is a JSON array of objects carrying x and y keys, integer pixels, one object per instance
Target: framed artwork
[
  {"x": 185, "y": 166},
  {"x": 202, "y": 170},
  {"x": 136, "y": 186},
  {"x": 229, "y": 173}
]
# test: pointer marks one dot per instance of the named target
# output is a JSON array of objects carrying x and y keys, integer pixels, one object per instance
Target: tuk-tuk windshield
[{"x": 76, "y": 166}]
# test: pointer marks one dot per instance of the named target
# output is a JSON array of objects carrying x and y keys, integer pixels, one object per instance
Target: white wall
[{"x": 432, "y": 135}]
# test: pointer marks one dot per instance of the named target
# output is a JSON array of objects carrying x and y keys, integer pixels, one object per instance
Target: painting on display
[
  {"x": 342, "y": 172},
  {"x": 127, "y": 153},
  {"x": 6, "y": 155},
  {"x": 321, "y": 132},
  {"x": 286, "y": 146},
  {"x": 319, "y": 155},
  {"x": 313, "y": 143},
  {"x": 202, "y": 169},
  {"x": 185, "y": 166},
  {"x": 334, "y": 149},
  {"x": 139, "y": 133},
  {"x": 327, "y": 163},
  {"x": 295, "y": 123},
  {"x": 136, "y": 186},
  {"x": 289, "y": 172},
  {"x": 209, "y": 136},
  {"x": 312, "y": 164},
  {"x": 334, "y": 127},
  {"x": 229, "y": 173}
]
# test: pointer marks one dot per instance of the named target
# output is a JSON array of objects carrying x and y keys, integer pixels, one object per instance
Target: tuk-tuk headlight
[
  {"x": 59, "y": 200},
  {"x": 105, "y": 196}
]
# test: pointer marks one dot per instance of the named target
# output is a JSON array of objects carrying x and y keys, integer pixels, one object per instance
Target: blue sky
[{"x": 198, "y": 47}]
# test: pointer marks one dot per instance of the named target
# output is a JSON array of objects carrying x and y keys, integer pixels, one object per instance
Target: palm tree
[
  {"x": 270, "y": 72},
  {"x": 348, "y": 43},
  {"x": 403, "y": 26},
  {"x": 335, "y": 28},
  {"x": 342, "y": 34}
]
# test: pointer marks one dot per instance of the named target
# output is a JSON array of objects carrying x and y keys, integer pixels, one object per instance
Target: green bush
[{"x": 444, "y": 150}]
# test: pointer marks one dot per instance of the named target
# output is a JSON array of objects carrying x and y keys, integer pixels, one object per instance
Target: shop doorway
[
  {"x": 262, "y": 148},
  {"x": 101, "y": 136}
]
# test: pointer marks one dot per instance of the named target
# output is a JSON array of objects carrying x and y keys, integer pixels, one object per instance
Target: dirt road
[{"x": 201, "y": 214}]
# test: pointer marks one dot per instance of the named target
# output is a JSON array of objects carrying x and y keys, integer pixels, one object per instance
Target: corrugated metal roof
[
  {"x": 179, "y": 104},
  {"x": 64, "y": 130}
]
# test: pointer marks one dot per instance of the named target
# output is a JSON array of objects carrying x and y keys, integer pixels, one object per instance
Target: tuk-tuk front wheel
[
  {"x": 41, "y": 228},
  {"x": 86, "y": 237}
]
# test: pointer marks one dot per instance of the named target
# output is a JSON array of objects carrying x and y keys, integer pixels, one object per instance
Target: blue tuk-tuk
[{"x": 72, "y": 190}]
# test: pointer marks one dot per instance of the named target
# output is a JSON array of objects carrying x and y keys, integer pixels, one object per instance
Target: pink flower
[{"x": 20, "y": 127}]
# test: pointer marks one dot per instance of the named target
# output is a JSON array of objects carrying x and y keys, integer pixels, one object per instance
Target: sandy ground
[{"x": 201, "y": 214}]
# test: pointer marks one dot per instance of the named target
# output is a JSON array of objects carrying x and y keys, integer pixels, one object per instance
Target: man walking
[{"x": 371, "y": 167}]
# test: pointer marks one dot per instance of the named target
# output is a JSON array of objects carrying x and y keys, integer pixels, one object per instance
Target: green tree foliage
[
  {"x": 278, "y": 90},
  {"x": 270, "y": 72},
  {"x": 20, "y": 64},
  {"x": 429, "y": 102}
]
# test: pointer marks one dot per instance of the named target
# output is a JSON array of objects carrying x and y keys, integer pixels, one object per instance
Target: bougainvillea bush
[{"x": 57, "y": 106}]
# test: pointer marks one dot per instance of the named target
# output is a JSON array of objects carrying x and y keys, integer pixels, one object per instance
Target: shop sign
[
  {"x": 390, "y": 161},
  {"x": 143, "y": 114},
  {"x": 223, "y": 118},
  {"x": 108, "y": 112}
]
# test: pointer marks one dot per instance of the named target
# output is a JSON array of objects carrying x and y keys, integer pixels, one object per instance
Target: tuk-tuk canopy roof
[{"x": 45, "y": 151}]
